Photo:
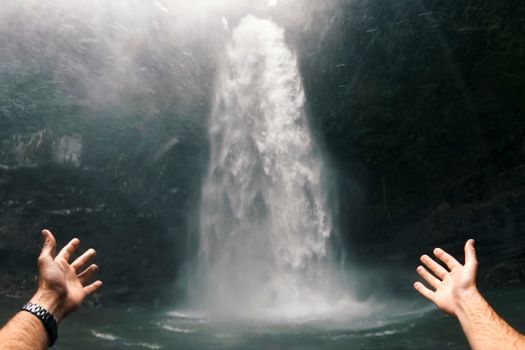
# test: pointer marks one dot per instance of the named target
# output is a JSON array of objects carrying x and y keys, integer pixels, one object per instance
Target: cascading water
[{"x": 265, "y": 220}]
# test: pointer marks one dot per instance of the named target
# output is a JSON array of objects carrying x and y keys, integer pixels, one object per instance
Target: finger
[
  {"x": 93, "y": 287},
  {"x": 470, "y": 253},
  {"x": 448, "y": 259},
  {"x": 424, "y": 291},
  {"x": 87, "y": 273},
  {"x": 69, "y": 249},
  {"x": 49, "y": 248},
  {"x": 83, "y": 259},
  {"x": 427, "y": 276},
  {"x": 433, "y": 266}
]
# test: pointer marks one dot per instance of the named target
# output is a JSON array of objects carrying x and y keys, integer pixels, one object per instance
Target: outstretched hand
[
  {"x": 62, "y": 286},
  {"x": 449, "y": 287}
]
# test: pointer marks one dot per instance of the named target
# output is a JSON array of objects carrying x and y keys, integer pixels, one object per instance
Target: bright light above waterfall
[{"x": 207, "y": 6}]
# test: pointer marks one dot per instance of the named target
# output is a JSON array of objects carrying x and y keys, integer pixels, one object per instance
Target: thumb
[
  {"x": 470, "y": 253},
  {"x": 49, "y": 248}
]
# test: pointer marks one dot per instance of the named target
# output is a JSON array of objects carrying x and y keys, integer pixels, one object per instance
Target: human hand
[
  {"x": 63, "y": 286},
  {"x": 453, "y": 286}
]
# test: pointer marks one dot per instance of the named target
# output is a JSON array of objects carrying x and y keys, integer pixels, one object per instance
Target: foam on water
[
  {"x": 105, "y": 336},
  {"x": 125, "y": 342},
  {"x": 174, "y": 329}
]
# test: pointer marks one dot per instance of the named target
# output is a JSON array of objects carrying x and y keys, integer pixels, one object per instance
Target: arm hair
[{"x": 24, "y": 332}]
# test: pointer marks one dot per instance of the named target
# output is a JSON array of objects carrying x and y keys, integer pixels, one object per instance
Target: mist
[{"x": 410, "y": 136}]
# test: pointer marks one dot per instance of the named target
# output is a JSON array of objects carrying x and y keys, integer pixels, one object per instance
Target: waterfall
[{"x": 264, "y": 218}]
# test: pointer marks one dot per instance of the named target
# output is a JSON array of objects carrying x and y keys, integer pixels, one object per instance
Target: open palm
[
  {"x": 60, "y": 283},
  {"x": 448, "y": 286}
]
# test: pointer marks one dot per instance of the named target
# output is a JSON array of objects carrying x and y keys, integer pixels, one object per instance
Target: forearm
[
  {"x": 23, "y": 332},
  {"x": 484, "y": 329},
  {"x": 62, "y": 286},
  {"x": 26, "y": 331}
]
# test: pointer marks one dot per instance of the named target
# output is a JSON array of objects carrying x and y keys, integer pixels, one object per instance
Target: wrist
[
  {"x": 466, "y": 301},
  {"x": 48, "y": 320},
  {"x": 50, "y": 301}
]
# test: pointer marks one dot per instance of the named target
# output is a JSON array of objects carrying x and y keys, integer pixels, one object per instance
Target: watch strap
[{"x": 48, "y": 320}]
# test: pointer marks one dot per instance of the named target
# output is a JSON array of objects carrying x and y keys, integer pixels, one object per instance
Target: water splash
[{"x": 265, "y": 221}]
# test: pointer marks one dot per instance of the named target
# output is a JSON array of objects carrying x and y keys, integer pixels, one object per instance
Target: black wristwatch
[{"x": 49, "y": 321}]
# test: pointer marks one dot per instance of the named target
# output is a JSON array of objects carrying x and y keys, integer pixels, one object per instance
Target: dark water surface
[{"x": 420, "y": 327}]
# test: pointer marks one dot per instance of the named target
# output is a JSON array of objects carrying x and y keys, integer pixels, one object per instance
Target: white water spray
[{"x": 265, "y": 220}]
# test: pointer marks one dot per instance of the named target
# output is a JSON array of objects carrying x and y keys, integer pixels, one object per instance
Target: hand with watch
[{"x": 62, "y": 286}]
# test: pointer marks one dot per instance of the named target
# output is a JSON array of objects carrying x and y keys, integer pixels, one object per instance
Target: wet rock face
[
  {"x": 419, "y": 108},
  {"x": 128, "y": 196}
]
